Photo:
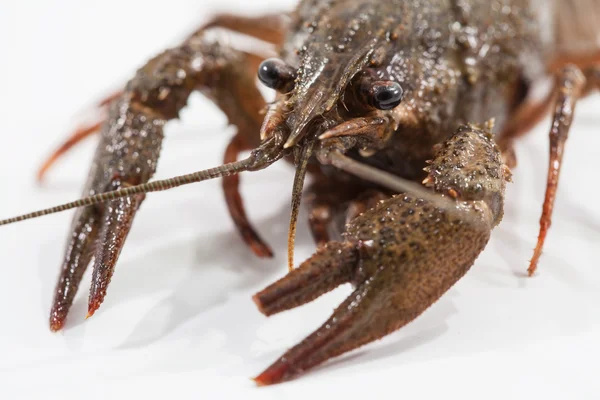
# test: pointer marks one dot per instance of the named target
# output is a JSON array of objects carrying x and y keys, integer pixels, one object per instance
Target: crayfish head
[
  {"x": 333, "y": 69},
  {"x": 334, "y": 82}
]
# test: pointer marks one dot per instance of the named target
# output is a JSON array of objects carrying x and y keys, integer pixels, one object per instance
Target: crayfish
[{"x": 403, "y": 112}]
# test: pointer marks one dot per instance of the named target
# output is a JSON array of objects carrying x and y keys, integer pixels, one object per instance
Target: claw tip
[
  {"x": 91, "y": 310},
  {"x": 57, "y": 319},
  {"x": 259, "y": 304},
  {"x": 262, "y": 251},
  {"x": 56, "y": 325},
  {"x": 258, "y": 382},
  {"x": 276, "y": 373}
]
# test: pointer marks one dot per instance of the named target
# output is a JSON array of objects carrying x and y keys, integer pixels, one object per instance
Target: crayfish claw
[
  {"x": 397, "y": 266},
  {"x": 126, "y": 155},
  {"x": 401, "y": 256},
  {"x": 98, "y": 233}
]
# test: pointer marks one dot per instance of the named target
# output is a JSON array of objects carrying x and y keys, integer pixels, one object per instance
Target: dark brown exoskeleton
[{"x": 374, "y": 97}]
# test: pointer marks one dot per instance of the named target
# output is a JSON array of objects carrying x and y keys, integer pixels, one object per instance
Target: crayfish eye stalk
[
  {"x": 379, "y": 94},
  {"x": 277, "y": 75}
]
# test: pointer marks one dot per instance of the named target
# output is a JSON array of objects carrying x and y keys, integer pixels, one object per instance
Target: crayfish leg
[
  {"x": 572, "y": 85},
  {"x": 78, "y": 136},
  {"x": 327, "y": 201},
  {"x": 239, "y": 98},
  {"x": 235, "y": 205},
  {"x": 270, "y": 28}
]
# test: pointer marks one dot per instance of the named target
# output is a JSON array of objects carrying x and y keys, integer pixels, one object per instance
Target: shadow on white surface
[{"x": 223, "y": 267}]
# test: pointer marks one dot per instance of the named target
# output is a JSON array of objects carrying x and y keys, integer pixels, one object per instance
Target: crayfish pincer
[
  {"x": 403, "y": 112},
  {"x": 400, "y": 256}
]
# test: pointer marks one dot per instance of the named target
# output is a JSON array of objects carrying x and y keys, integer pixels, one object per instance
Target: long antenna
[{"x": 260, "y": 158}]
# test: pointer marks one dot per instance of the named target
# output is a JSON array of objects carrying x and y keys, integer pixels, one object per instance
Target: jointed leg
[
  {"x": 77, "y": 136},
  {"x": 270, "y": 28},
  {"x": 532, "y": 112},
  {"x": 321, "y": 209},
  {"x": 328, "y": 202},
  {"x": 572, "y": 85},
  {"x": 235, "y": 203},
  {"x": 243, "y": 105},
  {"x": 525, "y": 118},
  {"x": 330, "y": 210},
  {"x": 366, "y": 201}
]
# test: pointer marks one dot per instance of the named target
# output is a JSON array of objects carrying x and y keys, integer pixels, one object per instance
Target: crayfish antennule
[{"x": 302, "y": 163}]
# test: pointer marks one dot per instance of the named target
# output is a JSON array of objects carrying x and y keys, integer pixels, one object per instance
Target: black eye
[
  {"x": 385, "y": 95},
  {"x": 277, "y": 75},
  {"x": 375, "y": 91}
]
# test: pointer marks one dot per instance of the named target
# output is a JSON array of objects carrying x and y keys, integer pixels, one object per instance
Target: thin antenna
[
  {"x": 302, "y": 162},
  {"x": 260, "y": 158},
  {"x": 398, "y": 184}
]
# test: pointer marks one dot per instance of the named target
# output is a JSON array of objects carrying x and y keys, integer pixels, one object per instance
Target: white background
[{"x": 178, "y": 321}]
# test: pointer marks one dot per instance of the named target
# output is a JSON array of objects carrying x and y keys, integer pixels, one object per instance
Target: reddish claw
[
  {"x": 400, "y": 256},
  {"x": 127, "y": 155},
  {"x": 129, "y": 149}
]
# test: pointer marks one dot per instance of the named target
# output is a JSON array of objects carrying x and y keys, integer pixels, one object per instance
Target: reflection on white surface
[{"x": 178, "y": 319}]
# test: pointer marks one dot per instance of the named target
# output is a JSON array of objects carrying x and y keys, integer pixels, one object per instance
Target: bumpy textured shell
[{"x": 458, "y": 62}]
